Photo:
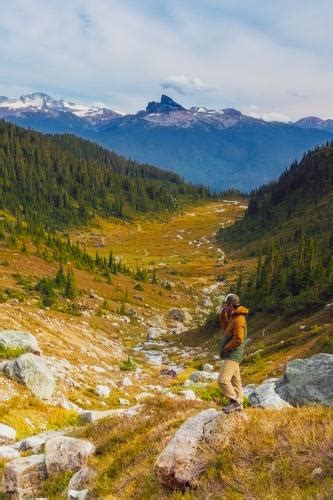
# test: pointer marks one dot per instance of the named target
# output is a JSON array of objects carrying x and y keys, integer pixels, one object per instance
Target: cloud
[
  {"x": 185, "y": 85},
  {"x": 274, "y": 54}
]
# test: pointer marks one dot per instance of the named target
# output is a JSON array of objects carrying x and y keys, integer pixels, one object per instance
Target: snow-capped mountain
[
  {"x": 42, "y": 103},
  {"x": 220, "y": 148}
]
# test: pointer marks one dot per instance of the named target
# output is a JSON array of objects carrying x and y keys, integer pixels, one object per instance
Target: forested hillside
[
  {"x": 64, "y": 180},
  {"x": 289, "y": 225}
]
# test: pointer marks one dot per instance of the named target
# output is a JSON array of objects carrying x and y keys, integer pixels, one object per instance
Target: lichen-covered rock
[
  {"x": 8, "y": 453},
  {"x": 7, "y": 434},
  {"x": 32, "y": 371},
  {"x": 65, "y": 453},
  {"x": 20, "y": 340},
  {"x": 203, "y": 376},
  {"x": 155, "y": 332},
  {"x": 103, "y": 391},
  {"x": 308, "y": 381},
  {"x": 89, "y": 416},
  {"x": 180, "y": 315},
  {"x": 24, "y": 477},
  {"x": 188, "y": 452},
  {"x": 265, "y": 396},
  {"x": 82, "y": 479}
]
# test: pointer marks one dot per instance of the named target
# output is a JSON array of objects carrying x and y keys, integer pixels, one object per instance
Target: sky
[{"x": 267, "y": 58}]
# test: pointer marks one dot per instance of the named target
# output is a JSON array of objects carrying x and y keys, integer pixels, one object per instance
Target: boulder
[
  {"x": 36, "y": 443},
  {"x": 187, "y": 454},
  {"x": 308, "y": 381},
  {"x": 189, "y": 395},
  {"x": 32, "y": 371},
  {"x": 82, "y": 479},
  {"x": 8, "y": 453},
  {"x": 89, "y": 416},
  {"x": 7, "y": 434},
  {"x": 157, "y": 321},
  {"x": 24, "y": 477},
  {"x": 65, "y": 453},
  {"x": 264, "y": 396},
  {"x": 155, "y": 332},
  {"x": 103, "y": 391},
  {"x": 20, "y": 340},
  {"x": 203, "y": 376},
  {"x": 180, "y": 315}
]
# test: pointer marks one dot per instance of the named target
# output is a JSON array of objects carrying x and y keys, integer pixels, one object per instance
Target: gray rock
[
  {"x": 8, "y": 453},
  {"x": 264, "y": 396},
  {"x": 103, "y": 391},
  {"x": 18, "y": 339},
  {"x": 66, "y": 453},
  {"x": 207, "y": 303},
  {"x": 7, "y": 434},
  {"x": 78, "y": 495},
  {"x": 157, "y": 321},
  {"x": 24, "y": 477},
  {"x": 308, "y": 381},
  {"x": 32, "y": 371},
  {"x": 155, "y": 332},
  {"x": 36, "y": 443},
  {"x": 82, "y": 479},
  {"x": 180, "y": 315},
  {"x": 203, "y": 376},
  {"x": 207, "y": 367},
  {"x": 189, "y": 395},
  {"x": 89, "y": 416},
  {"x": 183, "y": 459}
]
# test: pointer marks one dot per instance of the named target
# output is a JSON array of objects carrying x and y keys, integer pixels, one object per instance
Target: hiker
[{"x": 233, "y": 324}]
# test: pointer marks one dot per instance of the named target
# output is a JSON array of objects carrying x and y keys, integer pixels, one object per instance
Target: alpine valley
[
  {"x": 220, "y": 148},
  {"x": 112, "y": 276}
]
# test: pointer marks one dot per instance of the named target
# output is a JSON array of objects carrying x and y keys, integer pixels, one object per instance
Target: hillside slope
[{"x": 66, "y": 180}]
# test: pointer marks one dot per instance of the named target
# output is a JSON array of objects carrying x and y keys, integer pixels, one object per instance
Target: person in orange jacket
[{"x": 233, "y": 324}]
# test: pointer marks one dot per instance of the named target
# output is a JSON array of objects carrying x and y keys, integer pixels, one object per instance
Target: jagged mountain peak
[{"x": 165, "y": 105}]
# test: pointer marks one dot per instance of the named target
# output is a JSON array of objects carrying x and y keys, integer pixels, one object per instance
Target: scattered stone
[
  {"x": 8, "y": 453},
  {"x": 65, "y": 453},
  {"x": 32, "y": 371},
  {"x": 78, "y": 495},
  {"x": 82, "y": 479},
  {"x": 24, "y": 477},
  {"x": 7, "y": 434},
  {"x": 203, "y": 376},
  {"x": 126, "y": 382},
  {"x": 184, "y": 459},
  {"x": 207, "y": 367},
  {"x": 206, "y": 303},
  {"x": 302, "y": 328},
  {"x": 20, "y": 340},
  {"x": 177, "y": 328},
  {"x": 317, "y": 471},
  {"x": 180, "y": 315},
  {"x": 264, "y": 396},
  {"x": 189, "y": 395},
  {"x": 308, "y": 381},
  {"x": 123, "y": 402},
  {"x": 143, "y": 395},
  {"x": 103, "y": 391},
  {"x": 168, "y": 373},
  {"x": 154, "y": 332},
  {"x": 157, "y": 321},
  {"x": 89, "y": 416}
]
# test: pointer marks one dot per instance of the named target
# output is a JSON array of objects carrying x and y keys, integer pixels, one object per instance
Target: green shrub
[
  {"x": 11, "y": 352},
  {"x": 128, "y": 365}
]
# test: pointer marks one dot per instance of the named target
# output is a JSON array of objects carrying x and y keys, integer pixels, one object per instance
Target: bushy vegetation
[{"x": 62, "y": 180}]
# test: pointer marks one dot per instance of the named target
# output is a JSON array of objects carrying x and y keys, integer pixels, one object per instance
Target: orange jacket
[{"x": 234, "y": 328}]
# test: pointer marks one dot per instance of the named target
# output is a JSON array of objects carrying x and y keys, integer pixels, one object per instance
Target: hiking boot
[{"x": 232, "y": 407}]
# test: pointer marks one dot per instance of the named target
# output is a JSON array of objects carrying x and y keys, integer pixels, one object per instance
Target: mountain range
[{"x": 220, "y": 148}]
